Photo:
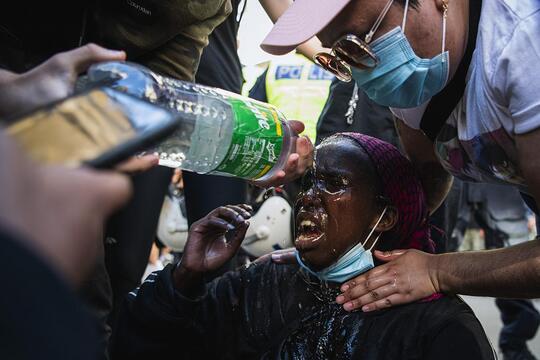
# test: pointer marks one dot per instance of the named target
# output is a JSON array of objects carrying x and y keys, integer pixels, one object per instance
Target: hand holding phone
[{"x": 99, "y": 127}]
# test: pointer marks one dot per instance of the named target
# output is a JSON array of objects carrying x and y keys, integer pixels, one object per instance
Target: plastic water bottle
[{"x": 221, "y": 133}]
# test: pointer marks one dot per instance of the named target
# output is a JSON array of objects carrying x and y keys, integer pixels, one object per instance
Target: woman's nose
[{"x": 308, "y": 198}]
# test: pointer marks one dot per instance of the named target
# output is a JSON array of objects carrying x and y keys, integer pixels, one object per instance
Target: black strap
[
  {"x": 441, "y": 106},
  {"x": 242, "y": 10}
]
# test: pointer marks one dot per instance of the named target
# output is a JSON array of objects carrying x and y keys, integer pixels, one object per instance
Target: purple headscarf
[{"x": 401, "y": 185}]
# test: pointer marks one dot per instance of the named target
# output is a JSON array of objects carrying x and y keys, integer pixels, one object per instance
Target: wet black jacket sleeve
[{"x": 159, "y": 321}]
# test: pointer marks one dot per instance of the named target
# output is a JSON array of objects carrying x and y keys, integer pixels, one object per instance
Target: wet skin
[{"x": 338, "y": 205}]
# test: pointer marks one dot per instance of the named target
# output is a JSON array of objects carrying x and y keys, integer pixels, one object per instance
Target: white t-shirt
[{"x": 502, "y": 96}]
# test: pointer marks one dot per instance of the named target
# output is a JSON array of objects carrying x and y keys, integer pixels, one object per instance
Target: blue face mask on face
[
  {"x": 402, "y": 79},
  {"x": 354, "y": 262}
]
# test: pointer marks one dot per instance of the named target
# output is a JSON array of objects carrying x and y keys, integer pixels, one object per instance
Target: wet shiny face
[{"x": 337, "y": 206}]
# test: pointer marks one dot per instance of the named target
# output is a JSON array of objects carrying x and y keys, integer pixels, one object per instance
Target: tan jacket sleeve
[{"x": 168, "y": 36}]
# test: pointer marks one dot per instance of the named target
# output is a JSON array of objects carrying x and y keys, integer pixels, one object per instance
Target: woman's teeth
[
  {"x": 308, "y": 230},
  {"x": 308, "y": 237},
  {"x": 307, "y": 223}
]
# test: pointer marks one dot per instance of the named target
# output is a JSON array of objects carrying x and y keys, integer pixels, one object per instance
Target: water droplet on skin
[{"x": 335, "y": 193}]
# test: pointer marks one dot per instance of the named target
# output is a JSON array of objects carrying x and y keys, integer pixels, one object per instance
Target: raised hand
[
  {"x": 52, "y": 80},
  {"x": 214, "y": 239}
]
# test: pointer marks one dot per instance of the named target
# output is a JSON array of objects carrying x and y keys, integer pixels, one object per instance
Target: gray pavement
[{"x": 487, "y": 312}]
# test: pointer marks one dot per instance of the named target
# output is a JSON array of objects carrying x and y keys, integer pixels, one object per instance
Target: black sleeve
[
  {"x": 258, "y": 91},
  {"x": 332, "y": 119},
  {"x": 41, "y": 316},
  {"x": 158, "y": 321},
  {"x": 462, "y": 338}
]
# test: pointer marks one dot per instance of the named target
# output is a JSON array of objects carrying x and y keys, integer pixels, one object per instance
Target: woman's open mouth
[{"x": 309, "y": 231}]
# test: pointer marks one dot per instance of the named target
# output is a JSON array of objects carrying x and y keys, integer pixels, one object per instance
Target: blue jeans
[{"x": 520, "y": 323}]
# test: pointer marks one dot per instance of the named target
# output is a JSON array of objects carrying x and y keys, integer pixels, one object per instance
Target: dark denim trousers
[{"x": 520, "y": 323}]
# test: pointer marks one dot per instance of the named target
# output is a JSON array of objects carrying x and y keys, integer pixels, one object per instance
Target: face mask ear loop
[
  {"x": 375, "y": 242},
  {"x": 378, "y": 22},
  {"x": 445, "y": 15},
  {"x": 373, "y": 230},
  {"x": 405, "y": 16}
]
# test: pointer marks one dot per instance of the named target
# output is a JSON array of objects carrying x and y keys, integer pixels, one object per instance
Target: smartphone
[{"x": 99, "y": 127}]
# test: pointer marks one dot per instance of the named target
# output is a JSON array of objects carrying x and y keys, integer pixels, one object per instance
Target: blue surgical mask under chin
[
  {"x": 354, "y": 262},
  {"x": 402, "y": 79}
]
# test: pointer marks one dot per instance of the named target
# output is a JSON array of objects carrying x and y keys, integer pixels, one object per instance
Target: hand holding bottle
[
  {"x": 221, "y": 133},
  {"x": 297, "y": 163}
]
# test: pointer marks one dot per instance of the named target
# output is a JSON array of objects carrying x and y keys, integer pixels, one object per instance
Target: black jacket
[{"x": 270, "y": 311}]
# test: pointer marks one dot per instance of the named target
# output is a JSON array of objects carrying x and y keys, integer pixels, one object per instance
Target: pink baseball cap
[{"x": 302, "y": 20}]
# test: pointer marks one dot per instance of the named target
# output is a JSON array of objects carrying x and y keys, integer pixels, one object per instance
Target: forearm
[
  {"x": 436, "y": 181},
  {"x": 274, "y": 9},
  {"x": 512, "y": 272},
  {"x": 188, "y": 283},
  {"x": 311, "y": 48},
  {"x": 509, "y": 272},
  {"x": 6, "y": 76}
]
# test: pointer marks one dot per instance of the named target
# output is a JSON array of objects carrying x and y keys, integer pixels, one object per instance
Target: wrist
[
  {"x": 435, "y": 273},
  {"x": 186, "y": 281}
]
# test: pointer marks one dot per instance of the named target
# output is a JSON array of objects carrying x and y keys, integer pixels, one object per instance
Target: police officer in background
[{"x": 297, "y": 87}]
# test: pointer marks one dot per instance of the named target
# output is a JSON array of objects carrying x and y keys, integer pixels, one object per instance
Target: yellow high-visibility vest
[{"x": 299, "y": 89}]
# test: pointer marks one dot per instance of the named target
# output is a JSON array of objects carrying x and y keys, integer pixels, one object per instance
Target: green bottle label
[{"x": 256, "y": 142}]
